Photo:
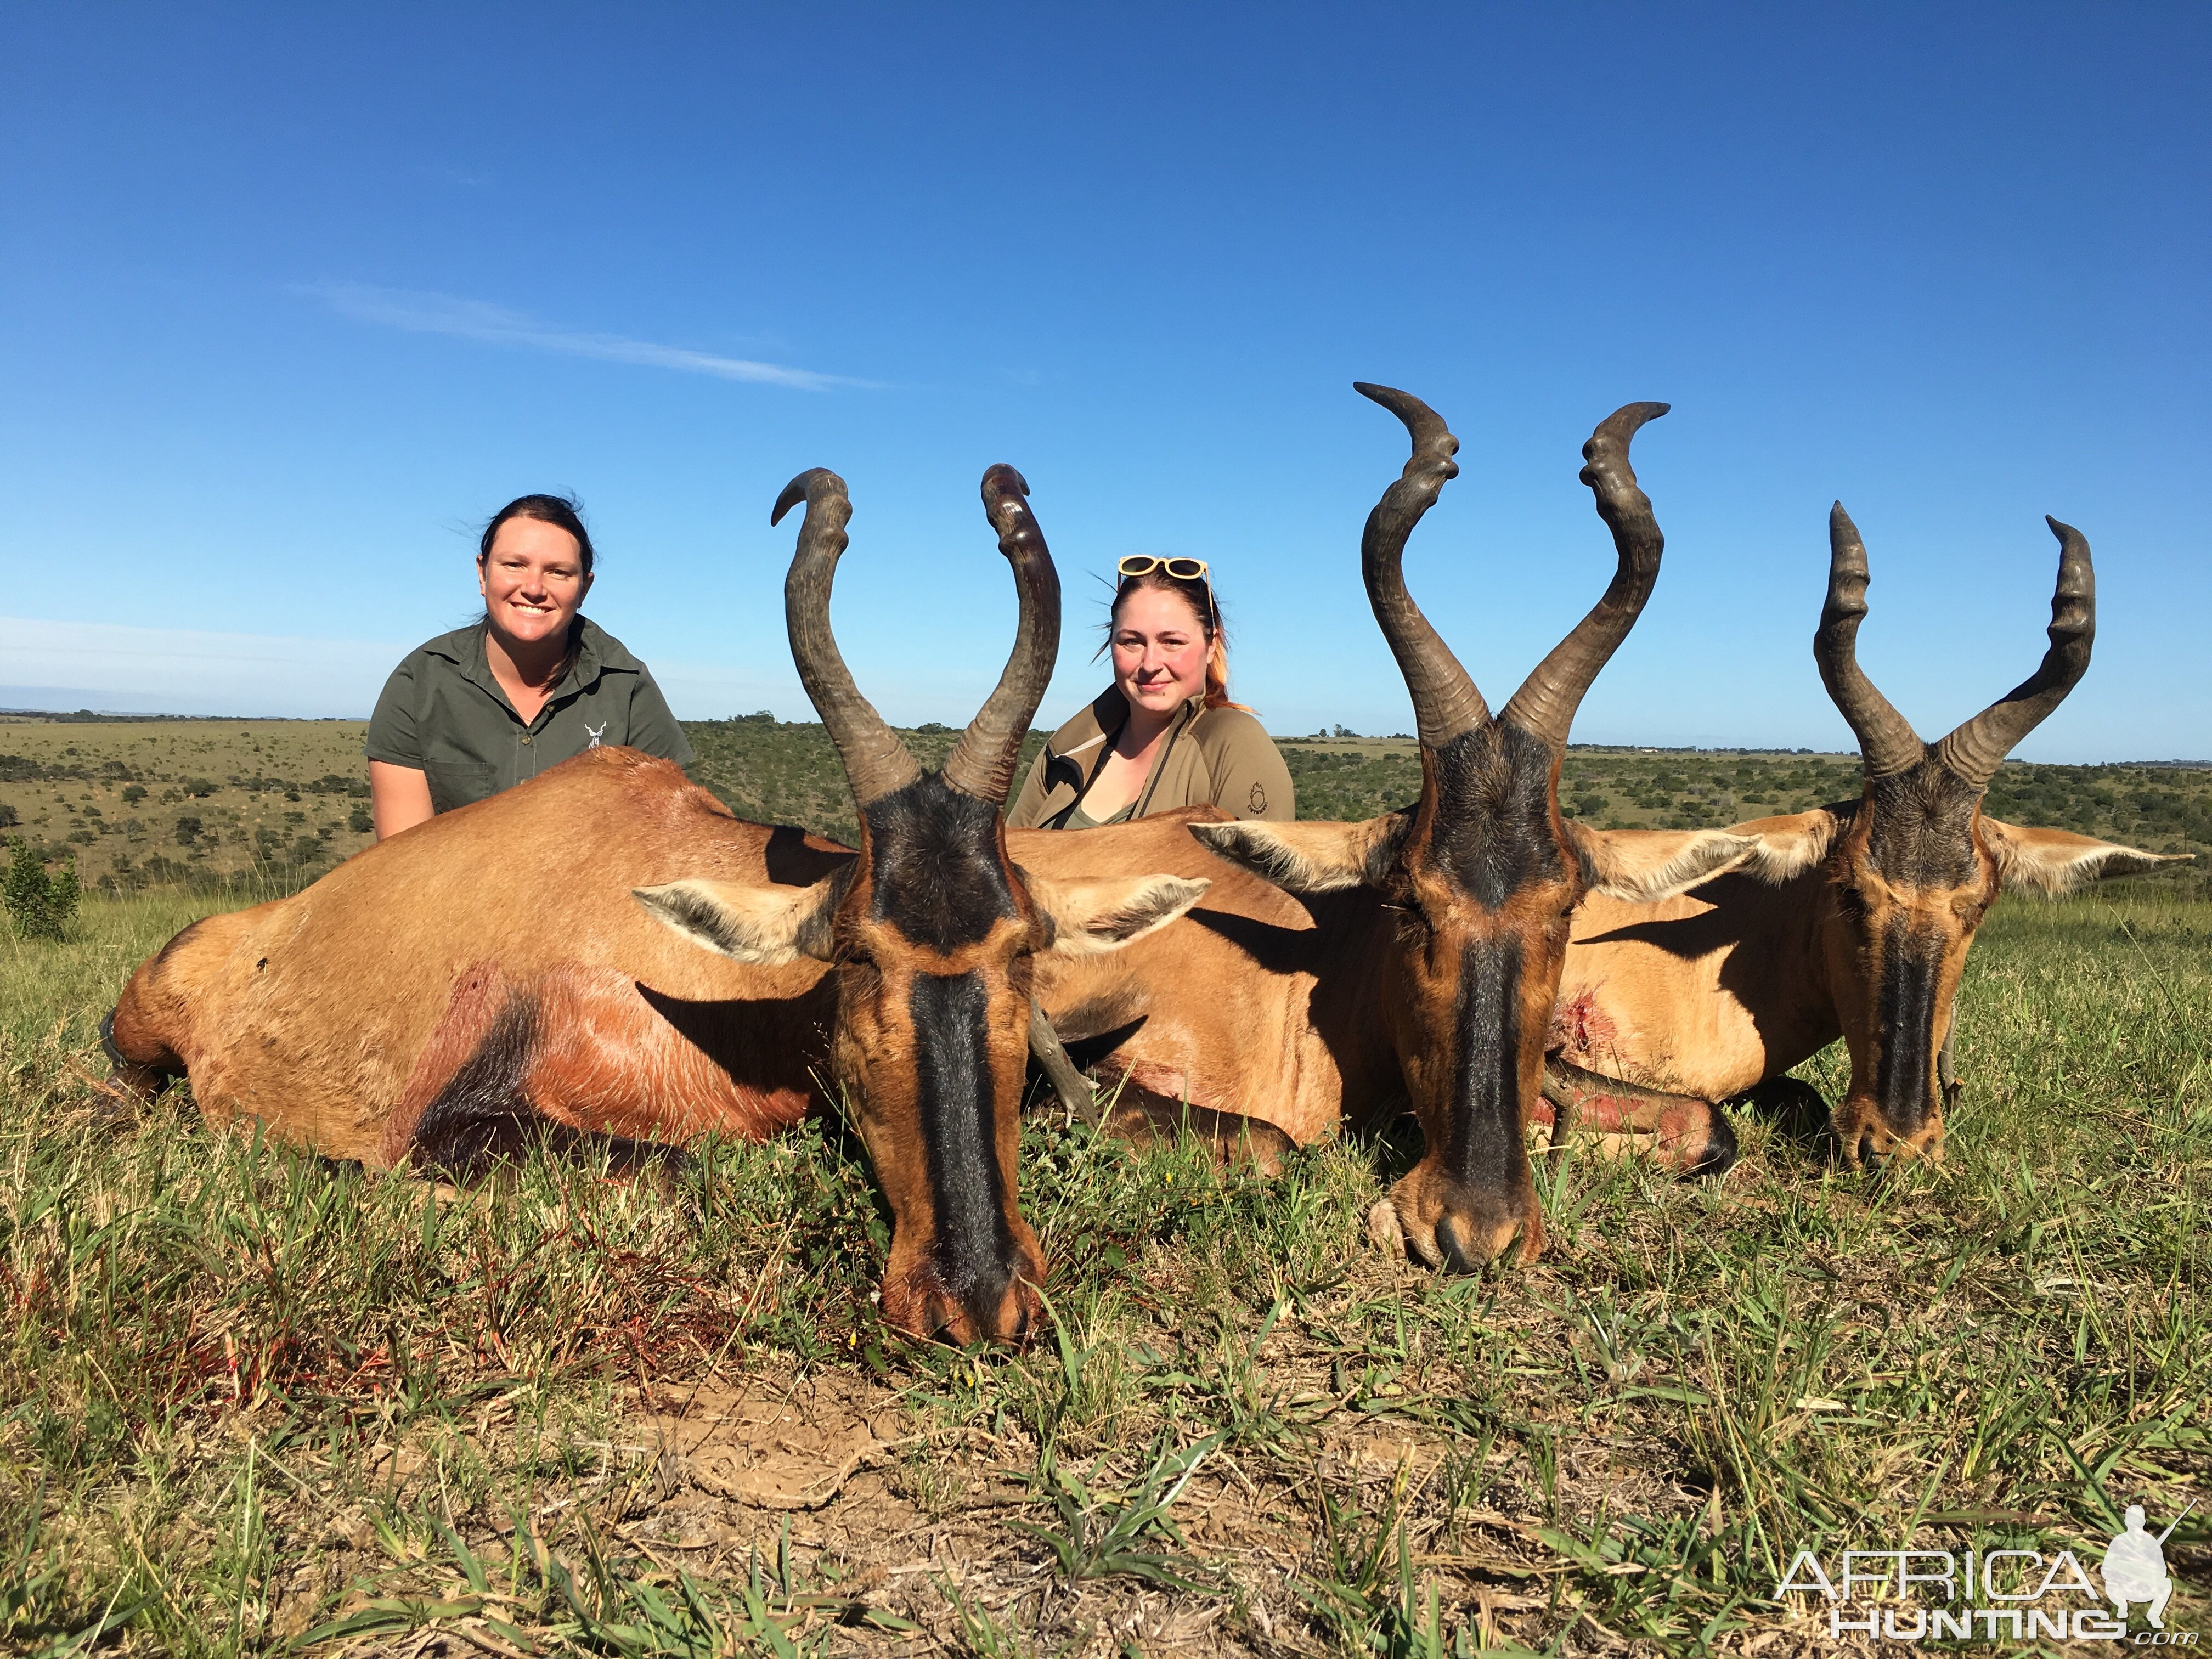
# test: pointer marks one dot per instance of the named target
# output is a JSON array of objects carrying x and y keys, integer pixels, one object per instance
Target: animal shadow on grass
[{"x": 1793, "y": 1109}]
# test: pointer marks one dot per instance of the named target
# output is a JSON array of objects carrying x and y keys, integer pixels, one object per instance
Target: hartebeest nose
[
  {"x": 1455, "y": 1225},
  {"x": 998, "y": 1303}
]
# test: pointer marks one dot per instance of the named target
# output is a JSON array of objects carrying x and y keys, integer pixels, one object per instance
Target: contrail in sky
[{"x": 474, "y": 320}]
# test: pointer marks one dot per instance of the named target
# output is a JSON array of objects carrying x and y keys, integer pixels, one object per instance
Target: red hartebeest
[
  {"x": 1414, "y": 957},
  {"x": 489, "y": 977},
  {"x": 1717, "y": 990}
]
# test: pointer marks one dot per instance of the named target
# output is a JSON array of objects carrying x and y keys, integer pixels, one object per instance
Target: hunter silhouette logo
[{"x": 2135, "y": 1567}]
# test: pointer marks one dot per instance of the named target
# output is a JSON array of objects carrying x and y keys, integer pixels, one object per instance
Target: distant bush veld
[{"x": 142, "y": 804}]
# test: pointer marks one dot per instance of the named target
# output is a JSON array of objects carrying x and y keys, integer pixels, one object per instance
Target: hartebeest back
[
  {"x": 1865, "y": 937},
  {"x": 434, "y": 1000}
]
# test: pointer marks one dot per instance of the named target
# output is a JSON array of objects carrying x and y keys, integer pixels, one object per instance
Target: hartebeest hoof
[{"x": 1443, "y": 1223}]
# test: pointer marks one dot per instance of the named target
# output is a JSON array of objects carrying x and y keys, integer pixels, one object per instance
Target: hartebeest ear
[
  {"x": 765, "y": 926},
  {"x": 1312, "y": 857},
  {"x": 1105, "y": 913},
  {"x": 1788, "y": 845},
  {"x": 2054, "y": 861},
  {"x": 1642, "y": 865}
]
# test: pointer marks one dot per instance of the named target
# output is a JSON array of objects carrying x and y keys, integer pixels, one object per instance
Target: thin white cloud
[
  {"x": 474, "y": 320},
  {"x": 186, "y": 672}
]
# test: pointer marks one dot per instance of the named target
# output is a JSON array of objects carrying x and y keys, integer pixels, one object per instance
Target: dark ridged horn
[
  {"x": 1445, "y": 701},
  {"x": 1887, "y": 742},
  {"x": 1974, "y": 750},
  {"x": 1545, "y": 705},
  {"x": 982, "y": 762},
  {"x": 876, "y": 761}
]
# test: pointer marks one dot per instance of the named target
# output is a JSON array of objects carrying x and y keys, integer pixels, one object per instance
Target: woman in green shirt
[
  {"x": 482, "y": 709},
  {"x": 1164, "y": 734}
]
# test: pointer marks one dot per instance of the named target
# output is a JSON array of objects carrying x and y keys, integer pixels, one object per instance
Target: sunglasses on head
[{"x": 1183, "y": 570}]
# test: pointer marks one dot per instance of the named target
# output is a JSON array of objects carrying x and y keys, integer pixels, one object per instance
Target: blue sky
[{"x": 292, "y": 299}]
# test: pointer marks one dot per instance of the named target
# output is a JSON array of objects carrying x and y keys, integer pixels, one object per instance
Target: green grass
[{"x": 250, "y": 1397}]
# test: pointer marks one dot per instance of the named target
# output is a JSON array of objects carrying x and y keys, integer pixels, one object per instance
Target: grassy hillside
[{"x": 153, "y": 803}]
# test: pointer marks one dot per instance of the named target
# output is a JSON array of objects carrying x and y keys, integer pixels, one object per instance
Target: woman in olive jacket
[{"x": 1164, "y": 734}]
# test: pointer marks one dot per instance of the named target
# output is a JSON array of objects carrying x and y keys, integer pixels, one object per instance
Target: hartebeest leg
[{"x": 1692, "y": 1136}]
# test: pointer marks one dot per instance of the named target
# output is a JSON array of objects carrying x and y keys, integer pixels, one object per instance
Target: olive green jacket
[
  {"x": 443, "y": 711},
  {"x": 1209, "y": 757}
]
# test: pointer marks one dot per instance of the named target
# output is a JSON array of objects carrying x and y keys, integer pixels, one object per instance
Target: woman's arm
[
  {"x": 652, "y": 725},
  {"x": 1249, "y": 778},
  {"x": 1028, "y": 810},
  {"x": 398, "y": 798}
]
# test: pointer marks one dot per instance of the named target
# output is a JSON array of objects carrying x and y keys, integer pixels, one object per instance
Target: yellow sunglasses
[{"x": 1183, "y": 570}]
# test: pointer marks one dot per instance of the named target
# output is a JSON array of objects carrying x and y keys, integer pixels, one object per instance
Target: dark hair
[
  {"x": 562, "y": 511},
  {"x": 1198, "y": 593}
]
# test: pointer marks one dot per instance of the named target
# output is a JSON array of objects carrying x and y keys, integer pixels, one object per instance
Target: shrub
[
  {"x": 40, "y": 904},
  {"x": 8, "y": 819},
  {"x": 359, "y": 821},
  {"x": 133, "y": 793},
  {"x": 188, "y": 831}
]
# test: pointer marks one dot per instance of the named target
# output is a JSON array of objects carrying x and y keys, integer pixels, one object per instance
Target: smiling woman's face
[
  {"x": 1159, "y": 650},
  {"x": 532, "y": 580}
]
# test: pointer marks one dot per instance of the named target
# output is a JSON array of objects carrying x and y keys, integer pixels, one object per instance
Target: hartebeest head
[
  {"x": 1483, "y": 870},
  {"x": 932, "y": 932},
  {"x": 1913, "y": 865}
]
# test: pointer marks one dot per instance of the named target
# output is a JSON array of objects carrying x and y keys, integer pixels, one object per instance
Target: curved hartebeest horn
[
  {"x": 982, "y": 762},
  {"x": 1974, "y": 750},
  {"x": 1445, "y": 701},
  {"x": 1887, "y": 742},
  {"x": 1545, "y": 705},
  {"x": 876, "y": 761}
]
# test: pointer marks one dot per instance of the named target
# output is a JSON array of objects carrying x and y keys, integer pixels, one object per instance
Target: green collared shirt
[{"x": 443, "y": 712}]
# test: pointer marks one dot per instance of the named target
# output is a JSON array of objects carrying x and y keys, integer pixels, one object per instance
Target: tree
[
  {"x": 40, "y": 904},
  {"x": 188, "y": 831}
]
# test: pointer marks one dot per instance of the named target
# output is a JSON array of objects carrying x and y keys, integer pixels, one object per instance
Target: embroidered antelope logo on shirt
[{"x": 595, "y": 732}]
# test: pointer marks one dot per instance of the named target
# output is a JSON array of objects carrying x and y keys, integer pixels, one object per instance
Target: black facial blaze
[
  {"x": 1905, "y": 1024},
  {"x": 1493, "y": 835},
  {"x": 973, "y": 1251},
  {"x": 933, "y": 861},
  {"x": 1484, "y": 1140}
]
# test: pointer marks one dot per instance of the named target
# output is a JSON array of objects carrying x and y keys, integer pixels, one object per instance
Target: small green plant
[
  {"x": 41, "y": 904},
  {"x": 1098, "y": 1538},
  {"x": 359, "y": 821}
]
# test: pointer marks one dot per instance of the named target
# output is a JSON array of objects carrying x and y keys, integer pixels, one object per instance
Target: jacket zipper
[{"x": 1160, "y": 769}]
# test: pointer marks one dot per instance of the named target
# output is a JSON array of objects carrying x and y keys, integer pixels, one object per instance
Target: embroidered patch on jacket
[
  {"x": 595, "y": 732},
  {"x": 1259, "y": 798}
]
